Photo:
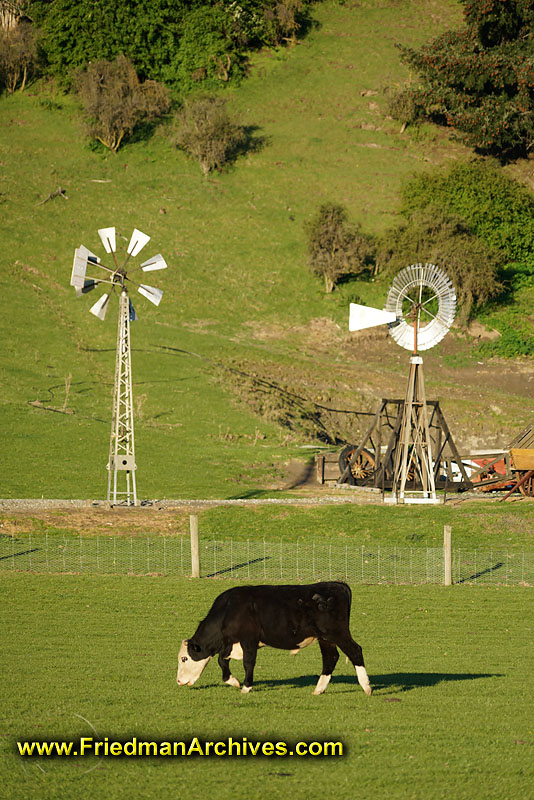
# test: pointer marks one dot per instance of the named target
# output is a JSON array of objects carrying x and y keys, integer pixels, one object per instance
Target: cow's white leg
[
  {"x": 322, "y": 683},
  {"x": 363, "y": 680},
  {"x": 245, "y": 689},
  {"x": 233, "y": 682}
]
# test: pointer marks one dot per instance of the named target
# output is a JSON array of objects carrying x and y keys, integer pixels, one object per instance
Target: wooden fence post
[
  {"x": 195, "y": 561},
  {"x": 447, "y": 556}
]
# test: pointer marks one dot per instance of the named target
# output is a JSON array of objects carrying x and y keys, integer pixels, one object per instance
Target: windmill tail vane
[{"x": 116, "y": 277}]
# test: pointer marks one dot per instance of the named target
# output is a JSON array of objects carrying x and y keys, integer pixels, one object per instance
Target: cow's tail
[{"x": 348, "y": 592}]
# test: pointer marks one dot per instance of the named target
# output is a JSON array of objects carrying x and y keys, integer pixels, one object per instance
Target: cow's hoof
[
  {"x": 233, "y": 682},
  {"x": 245, "y": 689},
  {"x": 320, "y": 691},
  {"x": 368, "y": 691}
]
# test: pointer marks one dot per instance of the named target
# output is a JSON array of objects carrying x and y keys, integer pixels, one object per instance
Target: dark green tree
[
  {"x": 480, "y": 80},
  {"x": 184, "y": 43}
]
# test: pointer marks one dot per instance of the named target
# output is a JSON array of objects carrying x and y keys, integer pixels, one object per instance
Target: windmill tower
[
  {"x": 121, "y": 447},
  {"x": 419, "y": 311}
]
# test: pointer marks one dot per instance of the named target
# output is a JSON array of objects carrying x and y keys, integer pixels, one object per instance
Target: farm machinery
[{"x": 371, "y": 463}]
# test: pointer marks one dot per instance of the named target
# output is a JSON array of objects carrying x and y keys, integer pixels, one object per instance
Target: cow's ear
[{"x": 321, "y": 605}]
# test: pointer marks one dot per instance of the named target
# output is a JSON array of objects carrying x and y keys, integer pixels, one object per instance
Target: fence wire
[{"x": 261, "y": 561}]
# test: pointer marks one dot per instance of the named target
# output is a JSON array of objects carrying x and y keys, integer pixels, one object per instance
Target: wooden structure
[
  {"x": 408, "y": 447},
  {"x": 372, "y": 463}
]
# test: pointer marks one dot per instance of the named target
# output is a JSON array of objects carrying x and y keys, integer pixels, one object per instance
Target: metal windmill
[
  {"x": 419, "y": 311},
  {"x": 121, "y": 447}
]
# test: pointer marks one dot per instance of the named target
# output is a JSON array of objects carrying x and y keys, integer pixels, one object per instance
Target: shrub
[
  {"x": 207, "y": 133},
  {"x": 446, "y": 241},
  {"x": 116, "y": 102},
  {"x": 497, "y": 209},
  {"x": 282, "y": 20},
  {"x": 405, "y": 106},
  {"x": 335, "y": 248},
  {"x": 180, "y": 42},
  {"x": 18, "y": 56},
  {"x": 206, "y": 53},
  {"x": 73, "y": 35}
]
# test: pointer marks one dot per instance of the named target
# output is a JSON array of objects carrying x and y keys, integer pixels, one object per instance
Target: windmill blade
[
  {"x": 151, "y": 293},
  {"x": 132, "y": 312},
  {"x": 108, "y": 239},
  {"x": 407, "y": 286},
  {"x": 88, "y": 285},
  {"x": 361, "y": 317},
  {"x": 137, "y": 242},
  {"x": 156, "y": 262},
  {"x": 86, "y": 253},
  {"x": 79, "y": 268},
  {"x": 100, "y": 307}
]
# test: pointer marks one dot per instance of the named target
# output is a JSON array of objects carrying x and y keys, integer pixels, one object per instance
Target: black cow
[{"x": 288, "y": 617}]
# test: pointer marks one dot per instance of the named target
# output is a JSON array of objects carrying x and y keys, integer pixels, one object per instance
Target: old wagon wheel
[
  {"x": 361, "y": 469},
  {"x": 527, "y": 488}
]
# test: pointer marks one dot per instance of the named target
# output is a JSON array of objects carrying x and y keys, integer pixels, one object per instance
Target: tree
[
  {"x": 445, "y": 240},
  {"x": 207, "y": 133},
  {"x": 116, "y": 102},
  {"x": 334, "y": 247},
  {"x": 480, "y": 80},
  {"x": 180, "y": 42},
  {"x": 18, "y": 56}
]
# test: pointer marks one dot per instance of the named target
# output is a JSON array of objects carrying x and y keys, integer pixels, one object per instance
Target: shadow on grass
[
  {"x": 261, "y": 494},
  {"x": 393, "y": 683}
]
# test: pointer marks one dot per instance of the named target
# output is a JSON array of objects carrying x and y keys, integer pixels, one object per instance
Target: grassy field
[
  {"x": 451, "y": 713},
  {"x": 237, "y": 290}
]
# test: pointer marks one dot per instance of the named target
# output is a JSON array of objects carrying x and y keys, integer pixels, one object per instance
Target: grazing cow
[{"x": 288, "y": 617}]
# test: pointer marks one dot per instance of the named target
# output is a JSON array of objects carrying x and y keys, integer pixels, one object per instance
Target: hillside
[{"x": 238, "y": 292}]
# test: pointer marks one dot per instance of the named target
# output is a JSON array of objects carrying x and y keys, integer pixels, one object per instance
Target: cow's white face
[{"x": 189, "y": 670}]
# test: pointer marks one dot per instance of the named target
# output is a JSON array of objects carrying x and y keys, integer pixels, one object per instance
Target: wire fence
[{"x": 261, "y": 561}]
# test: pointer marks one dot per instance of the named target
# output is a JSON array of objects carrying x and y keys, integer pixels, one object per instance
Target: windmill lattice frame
[{"x": 121, "y": 459}]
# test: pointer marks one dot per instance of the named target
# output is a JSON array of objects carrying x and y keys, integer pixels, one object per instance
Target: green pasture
[
  {"x": 451, "y": 713},
  {"x": 476, "y": 523},
  {"x": 237, "y": 289}
]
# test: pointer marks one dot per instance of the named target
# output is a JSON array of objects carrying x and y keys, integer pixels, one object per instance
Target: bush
[
  {"x": 18, "y": 56},
  {"x": 116, "y": 102},
  {"x": 497, "y": 209},
  {"x": 480, "y": 80},
  {"x": 446, "y": 241},
  {"x": 183, "y": 43},
  {"x": 405, "y": 106},
  {"x": 335, "y": 248},
  {"x": 207, "y": 133},
  {"x": 282, "y": 20},
  {"x": 72, "y": 35},
  {"x": 206, "y": 53}
]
